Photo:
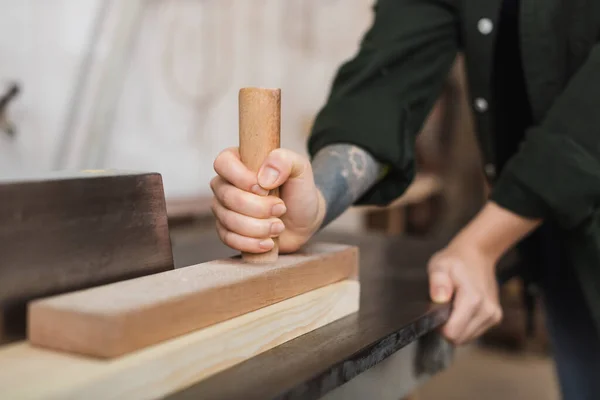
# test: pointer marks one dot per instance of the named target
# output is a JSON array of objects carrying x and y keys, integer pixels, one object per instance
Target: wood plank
[
  {"x": 69, "y": 230},
  {"x": 116, "y": 319},
  {"x": 28, "y": 372},
  {"x": 395, "y": 311}
]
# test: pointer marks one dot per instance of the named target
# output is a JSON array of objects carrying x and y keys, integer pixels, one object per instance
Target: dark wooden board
[
  {"x": 395, "y": 311},
  {"x": 66, "y": 231}
]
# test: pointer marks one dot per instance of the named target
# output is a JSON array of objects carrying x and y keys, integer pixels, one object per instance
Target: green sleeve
[
  {"x": 380, "y": 98},
  {"x": 556, "y": 173}
]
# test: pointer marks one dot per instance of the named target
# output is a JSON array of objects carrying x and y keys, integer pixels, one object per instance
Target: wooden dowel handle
[{"x": 260, "y": 124}]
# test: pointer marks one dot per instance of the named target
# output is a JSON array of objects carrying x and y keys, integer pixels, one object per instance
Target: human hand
[
  {"x": 465, "y": 273},
  {"x": 465, "y": 270},
  {"x": 248, "y": 218}
]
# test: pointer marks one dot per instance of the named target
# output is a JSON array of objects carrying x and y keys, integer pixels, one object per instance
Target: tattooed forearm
[{"x": 343, "y": 173}]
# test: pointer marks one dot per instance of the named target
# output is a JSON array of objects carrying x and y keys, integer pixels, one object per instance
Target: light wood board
[
  {"x": 119, "y": 318},
  {"x": 28, "y": 372}
]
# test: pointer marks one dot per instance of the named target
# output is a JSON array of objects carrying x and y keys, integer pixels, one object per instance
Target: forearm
[
  {"x": 495, "y": 230},
  {"x": 343, "y": 173}
]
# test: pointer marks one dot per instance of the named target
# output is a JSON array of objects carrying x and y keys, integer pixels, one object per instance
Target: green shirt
[{"x": 380, "y": 98}]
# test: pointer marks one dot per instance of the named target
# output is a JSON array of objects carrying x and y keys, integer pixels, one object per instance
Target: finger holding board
[{"x": 260, "y": 133}]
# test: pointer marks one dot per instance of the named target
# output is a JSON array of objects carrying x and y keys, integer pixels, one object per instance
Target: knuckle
[
  {"x": 228, "y": 197},
  {"x": 498, "y": 315},
  {"x": 220, "y": 231},
  {"x": 222, "y": 159},
  {"x": 214, "y": 206},
  {"x": 214, "y": 183},
  {"x": 280, "y": 154},
  {"x": 228, "y": 220},
  {"x": 476, "y": 300},
  {"x": 218, "y": 162},
  {"x": 434, "y": 264},
  {"x": 450, "y": 334},
  {"x": 491, "y": 309},
  {"x": 228, "y": 238}
]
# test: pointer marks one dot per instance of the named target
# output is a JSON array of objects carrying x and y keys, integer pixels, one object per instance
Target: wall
[
  {"x": 41, "y": 48},
  {"x": 152, "y": 84}
]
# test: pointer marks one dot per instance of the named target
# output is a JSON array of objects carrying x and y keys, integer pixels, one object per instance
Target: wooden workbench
[{"x": 369, "y": 354}]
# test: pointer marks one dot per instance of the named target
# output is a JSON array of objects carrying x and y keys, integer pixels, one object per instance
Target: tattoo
[{"x": 343, "y": 173}]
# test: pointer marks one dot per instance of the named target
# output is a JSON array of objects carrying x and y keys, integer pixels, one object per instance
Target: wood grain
[
  {"x": 64, "y": 231},
  {"x": 116, "y": 319},
  {"x": 395, "y": 311},
  {"x": 260, "y": 125},
  {"x": 28, "y": 372}
]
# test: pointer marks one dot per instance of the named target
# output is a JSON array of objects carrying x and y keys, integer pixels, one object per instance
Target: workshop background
[{"x": 152, "y": 85}]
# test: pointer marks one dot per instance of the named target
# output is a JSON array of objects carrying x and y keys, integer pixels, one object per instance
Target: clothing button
[
  {"x": 485, "y": 26},
  {"x": 490, "y": 171},
  {"x": 481, "y": 104}
]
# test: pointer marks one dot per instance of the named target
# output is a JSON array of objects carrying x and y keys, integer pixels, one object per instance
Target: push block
[{"x": 122, "y": 317}]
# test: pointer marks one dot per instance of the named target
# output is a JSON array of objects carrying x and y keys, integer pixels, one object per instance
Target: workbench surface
[{"x": 395, "y": 312}]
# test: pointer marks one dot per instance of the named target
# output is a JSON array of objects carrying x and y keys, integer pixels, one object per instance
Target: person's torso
[
  {"x": 520, "y": 55},
  {"x": 555, "y": 38}
]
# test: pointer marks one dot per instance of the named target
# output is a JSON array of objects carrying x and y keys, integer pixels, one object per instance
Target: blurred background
[{"x": 151, "y": 85}]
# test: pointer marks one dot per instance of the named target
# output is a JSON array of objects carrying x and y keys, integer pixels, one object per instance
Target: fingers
[
  {"x": 246, "y": 221},
  {"x": 230, "y": 168},
  {"x": 243, "y": 243},
  {"x": 465, "y": 310},
  {"x": 440, "y": 285},
  {"x": 475, "y": 305},
  {"x": 490, "y": 314},
  {"x": 247, "y": 226},
  {"x": 245, "y": 203},
  {"x": 281, "y": 165}
]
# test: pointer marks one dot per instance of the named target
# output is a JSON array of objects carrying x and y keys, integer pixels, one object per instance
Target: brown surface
[
  {"x": 116, "y": 319},
  {"x": 66, "y": 231},
  {"x": 494, "y": 375},
  {"x": 394, "y": 311},
  {"x": 28, "y": 372},
  {"x": 260, "y": 125}
]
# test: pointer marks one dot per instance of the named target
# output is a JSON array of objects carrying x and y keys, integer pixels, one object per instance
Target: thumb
[
  {"x": 441, "y": 286},
  {"x": 281, "y": 165}
]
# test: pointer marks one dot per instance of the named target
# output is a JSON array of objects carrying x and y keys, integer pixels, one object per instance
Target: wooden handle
[{"x": 260, "y": 124}]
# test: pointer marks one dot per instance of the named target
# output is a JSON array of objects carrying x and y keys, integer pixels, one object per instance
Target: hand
[
  {"x": 465, "y": 270},
  {"x": 247, "y": 218},
  {"x": 466, "y": 273}
]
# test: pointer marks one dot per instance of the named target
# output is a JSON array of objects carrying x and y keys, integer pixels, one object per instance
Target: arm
[
  {"x": 555, "y": 175},
  {"x": 343, "y": 173},
  {"x": 380, "y": 98},
  {"x": 495, "y": 230}
]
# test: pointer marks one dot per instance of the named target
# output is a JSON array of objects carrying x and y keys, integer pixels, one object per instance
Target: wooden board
[
  {"x": 28, "y": 372},
  {"x": 395, "y": 310},
  {"x": 116, "y": 319},
  {"x": 69, "y": 230}
]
